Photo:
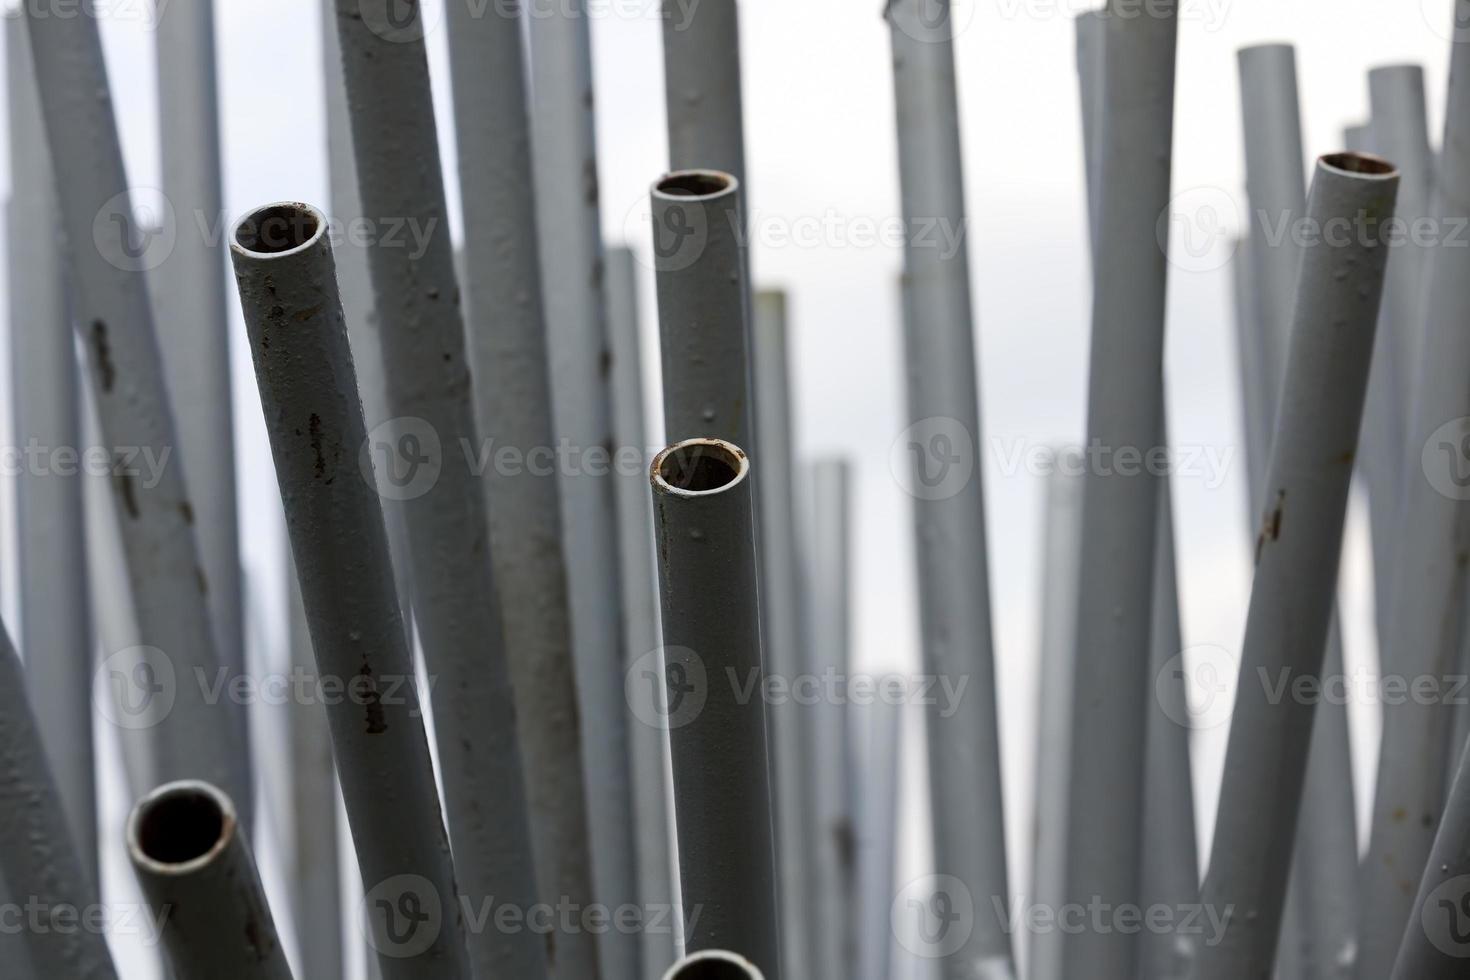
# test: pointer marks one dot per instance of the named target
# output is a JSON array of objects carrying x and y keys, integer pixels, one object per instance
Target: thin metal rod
[
  {"x": 949, "y": 517},
  {"x": 705, "y": 535},
  {"x": 197, "y": 871},
  {"x": 782, "y": 623},
  {"x": 56, "y": 621},
  {"x": 652, "y": 776},
  {"x": 193, "y": 325},
  {"x": 1434, "y": 946},
  {"x": 298, "y": 341},
  {"x": 1296, "y": 562},
  {"x": 1430, "y": 581},
  {"x": 1120, "y": 512},
  {"x": 457, "y": 606},
  {"x": 877, "y": 840},
  {"x": 192, "y": 738},
  {"x": 1091, "y": 31},
  {"x": 40, "y": 863},
  {"x": 570, "y": 238},
  {"x": 714, "y": 965}
]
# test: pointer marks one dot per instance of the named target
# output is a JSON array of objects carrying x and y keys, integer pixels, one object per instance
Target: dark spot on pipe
[
  {"x": 1400, "y": 815},
  {"x": 276, "y": 312},
  {"x": 315, "y": 425},
  {"x": 605, "y": 363},
  {"x": 448, "y": 357},
  {"x": 201, "y": 580},
  {"x": 377, "y": 723},
  {"x": 186, "y": 511},
  {"x": 590, "y": 189},
  {"x": 124, "y": 484},
  {"x": 599, "y": 272},
  {"x": 550, "y": 949},
  {"x": 302, "y": 316},
  {"x": 103, "y": 351},
  {"x": 258, "y": 939},
  {"x": 1428, "y": 821},
  {"x": 1271, "y": 530}
]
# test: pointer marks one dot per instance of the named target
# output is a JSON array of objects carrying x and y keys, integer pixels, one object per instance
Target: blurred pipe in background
[{"x": 1434, "y": 946}]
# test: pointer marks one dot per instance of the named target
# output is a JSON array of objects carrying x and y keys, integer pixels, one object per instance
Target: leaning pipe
[
  {"x": 195, "y": 866},
  {"x": 457, "y": 607},
  {"x": 113, "y": 313},
  {"x": 37, "y": 857},
  {"x": 711, "y": 620},
  {"x": 1297, "y": 556},
  {"x": 1434, "y": 945},
  {"x": 1430, "y": 581},
  {"x": 714, "y": 965},
  {"x": 949, "y": 520},
  {"x": 298, "y": 341}
]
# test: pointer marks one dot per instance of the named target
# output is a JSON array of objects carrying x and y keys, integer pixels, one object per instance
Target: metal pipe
[
  {"x": 457, "y": 606},
  {"x": 56, "y": 622},
  {"x": 1121, "y": 512},
  {"x": 288, "y": 292},
  {"x": 1091, "y": 29},
  {"x": 316, "y": 890},
  {"x": 697, "y": 217},
  {"x": 13, "y": 952},
  {"x": 711, "y": 621},
  {"x": 702, "y": 86},
  {"x": 197, "y": 871},
  {"x": 652, "y": 778},
  {"x": 1296, "y": 561},
  {"x": 714, "y": 965},
  {"x": 570, "y": 238},
  {"x": 37, "y": 857},
  {"x": 1430, "y": 581},
  {"x": 782, "y": 626},
  {"x": 877, "y": 840},
  {"x": 949, "y": 515},
  {"x": 191, "y": 308},
  {"x": 192, "y": 738},
  {"x": 1434, "y": 945}
]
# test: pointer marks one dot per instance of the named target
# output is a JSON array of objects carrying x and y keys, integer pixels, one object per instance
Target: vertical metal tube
[
  {"x": 711, "y": 621},
  {"x": 197, "y": 871},
  {"x": 37, "y": 856},
  {"x": 1434, "y": 945},
  {"x": 457, "y": 605},
  {"x": 1120, "y": 505},
  {"x": 877, "y": 860},
  {"x": 570, "y": 238},
  {"x": 781, "y": 615},
  {"x": 653, "y": 792},
  {"x": 192, "y": 738},
  {"x": 714, "y": 965},
  {"x": 1430, "y": 581},
  {"x": 288, "y": 292},
  {"x": 56, "y": 623},
  {"x": 13, "y": 952},
  {"x": 1091, "y": 29},
  {"x": 193, "y": 324},
  {"x": 702, "y": 86},
  {"x": 1296, "y": 561},
  {"x": 949, "y": 515}
]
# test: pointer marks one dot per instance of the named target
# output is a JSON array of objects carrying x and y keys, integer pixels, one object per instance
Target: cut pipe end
[
  {"x": 180, "y": 828},
  {"x": 714, "y": 965},
  {"x": 697, "y": 185},
  {"x": 1359, "y": 164},
  {"x": 279, "y": 229},
  {"x": 699, "y": 467}
]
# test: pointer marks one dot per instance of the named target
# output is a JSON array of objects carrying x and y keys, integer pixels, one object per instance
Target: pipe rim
[
  {"x": 731, "y": 456},
  {"x": 175, "y": 792},
  {"x": 695, "y": 185},
  {"x": 714, "y": 956},
  {"x": 248, "y": 229},
  {"x": 1359, "y": 166}
]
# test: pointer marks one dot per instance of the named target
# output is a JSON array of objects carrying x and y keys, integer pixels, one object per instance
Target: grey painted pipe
[
  {"x": 943, "y": 406},
  {"x": 1434, "y": 945},
  {"x": 1091, "y": 30},
  {"x": 457, "y": 608},
  {"x": 653, "y": 792},
  {"x": 112, "y": 311},
  {"x": 714, "y": 965},
  {"x": 193, "y": 324},
  {"x": 877, "y": 862},
  {"x": 1424, "y": 637},
  {"x": 13, "y": 952},
  {"x": 697, "y": 217},
  {"x": 570, "y": 233},
  {"x": 195, "y": 867},
  {"x": 315, "y": 870},
  {"x": 56, "y": 623},
  {"x": 702, "y": 86},
  {"x": 711, "y": 621},
  {"x": 1061, "y": 541},
  {"x": 1296, "y": 562},
  {"x": 782, "y": 621},
  {"x": 1120, "y": 512},
  {"x": 298, "y": 341},
  {"x": 37, "y": 857}
]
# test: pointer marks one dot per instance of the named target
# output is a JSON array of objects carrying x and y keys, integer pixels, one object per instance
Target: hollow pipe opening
[
  {"x": 278, "y": 228},
  {"x": 181, "y": 825},
  {"x": 699, "y": 466},
  {"x": 1360, "y": 163},
  {"x": 714, "y": 966},
  {"x": 694, "y": 183}
]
